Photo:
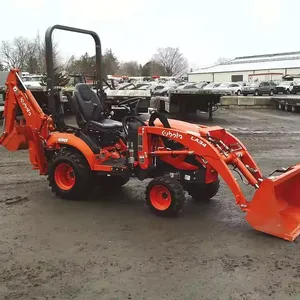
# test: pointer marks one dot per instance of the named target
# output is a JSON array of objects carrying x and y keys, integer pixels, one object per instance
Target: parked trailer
[
  {"x": 289, "y": 103},
  {"x": 181, "y": 103}
]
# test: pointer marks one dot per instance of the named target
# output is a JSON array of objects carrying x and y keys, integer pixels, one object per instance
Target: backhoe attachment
[{"x": 275, "y": 207}]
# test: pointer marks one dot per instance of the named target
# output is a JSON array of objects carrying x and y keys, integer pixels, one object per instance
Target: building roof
[{"x": 258, "y": 62}]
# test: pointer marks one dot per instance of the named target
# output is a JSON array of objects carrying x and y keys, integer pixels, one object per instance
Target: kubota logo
[
  {"x": 25, "y": 106},
  {"x": 170, "y": 134},
  {"x": 199, "y": 141}
]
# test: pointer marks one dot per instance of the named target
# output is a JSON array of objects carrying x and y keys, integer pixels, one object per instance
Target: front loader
[{"x": 177, "y": 156}]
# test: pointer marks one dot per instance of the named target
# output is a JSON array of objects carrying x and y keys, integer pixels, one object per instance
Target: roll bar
[{"x": 50, "y": 64}]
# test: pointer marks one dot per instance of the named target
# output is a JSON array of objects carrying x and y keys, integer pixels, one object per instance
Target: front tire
[
  {"x": 165, "y": 196},
  {"x": 203, "y": 192},
  {"x": 271, "y": 93},
  {"x": 256, "y": 93},
  {"x": 69, "y": 174},
  {"x": 238, "y": 93}
]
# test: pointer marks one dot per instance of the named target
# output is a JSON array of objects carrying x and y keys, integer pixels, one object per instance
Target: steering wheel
[{"x": 128, "y": 103}]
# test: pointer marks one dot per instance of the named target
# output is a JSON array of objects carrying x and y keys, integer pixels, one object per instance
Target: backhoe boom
[{"x": 29, "y": 130}]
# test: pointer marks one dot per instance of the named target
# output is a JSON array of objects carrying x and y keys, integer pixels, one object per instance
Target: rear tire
[
  {"x": 203, "y": 192},
  {"x": 165, "y": 196},
  {"x": 69, "y": 174}
]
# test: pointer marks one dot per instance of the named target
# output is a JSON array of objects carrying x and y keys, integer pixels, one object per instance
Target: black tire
[
  {"x": 80, "y": 171},
  {"x": 288, "y": 91},
  {"x": 175, "y": 198},
  {"x": 203, "y": 192},
  {"x": 271, "y": 92},
  {"x": 238, "y": 92},
  {"x": 245, "y": 94},
  {"x": 256, "y": 93}
]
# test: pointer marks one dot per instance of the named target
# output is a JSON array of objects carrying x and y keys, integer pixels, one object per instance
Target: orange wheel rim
[
  {"x": 160, "y": 197},
  {"x": 64, "y": 176}
]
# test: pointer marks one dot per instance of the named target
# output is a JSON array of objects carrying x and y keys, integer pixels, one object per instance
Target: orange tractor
[{"x": 176, "y": 155}]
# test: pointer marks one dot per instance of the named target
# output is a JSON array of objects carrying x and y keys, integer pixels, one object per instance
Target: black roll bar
[{"x": 50, "y": 64}]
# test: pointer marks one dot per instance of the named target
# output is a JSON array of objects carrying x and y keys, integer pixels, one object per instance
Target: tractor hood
[{"x": 181, "y": 125}]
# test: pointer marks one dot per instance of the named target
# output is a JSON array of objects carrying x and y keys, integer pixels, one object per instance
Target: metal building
[{"x": 251, "y": 68}]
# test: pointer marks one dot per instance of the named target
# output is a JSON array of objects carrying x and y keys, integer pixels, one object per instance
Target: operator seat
[{"x": 89, "y": 106}]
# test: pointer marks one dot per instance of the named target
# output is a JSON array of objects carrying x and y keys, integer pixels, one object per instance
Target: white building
[{"x": 251, "y": 68}]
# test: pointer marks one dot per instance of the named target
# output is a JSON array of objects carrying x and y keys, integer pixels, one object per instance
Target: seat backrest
[{"x": 87, "y": 100}]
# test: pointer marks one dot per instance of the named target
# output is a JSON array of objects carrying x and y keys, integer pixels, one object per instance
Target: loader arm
[
  {"x": 275, "y": 207},
  {"x": 29, "y": 130},
  {"x": 215, "y": 148}
]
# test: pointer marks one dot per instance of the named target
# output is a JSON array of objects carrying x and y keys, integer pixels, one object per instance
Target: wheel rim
[
  {"x": 64, "y": 176},
  {"x": 160, "y": 197}
]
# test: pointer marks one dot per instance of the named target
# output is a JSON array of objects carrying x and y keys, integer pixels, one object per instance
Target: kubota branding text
[{"x": 172, "y": 135}]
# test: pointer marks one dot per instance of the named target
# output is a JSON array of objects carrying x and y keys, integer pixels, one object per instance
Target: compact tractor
[{"x": 177, "y": 156}]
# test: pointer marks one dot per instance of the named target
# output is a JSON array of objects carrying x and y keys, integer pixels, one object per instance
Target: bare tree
[
  {"x": 86, "y": 64},
  {"x": 15, "y": 54},
  {"x": 130, "y": 68},
  {"x": 153, "y": 68},
  {"x": 26, "y": 54},
  {"x": 40, "y": 51},
  {"x": 172, "y": 60},
  {"x": 110, "y": 63}
]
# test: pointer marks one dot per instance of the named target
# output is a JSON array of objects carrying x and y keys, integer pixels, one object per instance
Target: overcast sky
[{"x": 134, "y": 29}]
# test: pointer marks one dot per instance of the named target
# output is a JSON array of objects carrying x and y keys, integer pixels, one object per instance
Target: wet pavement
[{"x": 109, "y": 246}]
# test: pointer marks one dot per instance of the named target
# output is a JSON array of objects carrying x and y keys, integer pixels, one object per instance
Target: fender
[{"x": 69, "y": 139}]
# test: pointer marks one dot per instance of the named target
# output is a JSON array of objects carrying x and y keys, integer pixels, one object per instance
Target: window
[
  {"x": 192, "y": 86},
  {"x": 235, "y": 78}
]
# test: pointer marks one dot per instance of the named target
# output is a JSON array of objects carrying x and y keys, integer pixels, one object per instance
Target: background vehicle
[
  {"x": 211, "y": 86},
  {"x": 267, "y": 87},
  {"x": 252, "y": 88},
  {"x": 285, "y": 87},
  {"x": 235, "y": 89},
  {"x": 229, "y": 88},
  {"x": 33, "y": 81},
  {"x": 259, "y": 88},
  {"x": 296, "y": 87}
]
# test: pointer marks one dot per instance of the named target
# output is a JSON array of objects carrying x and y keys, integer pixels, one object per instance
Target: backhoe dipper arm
[
  {"x": 28, "y": 132},
  {"x": 211, "y": 155}
]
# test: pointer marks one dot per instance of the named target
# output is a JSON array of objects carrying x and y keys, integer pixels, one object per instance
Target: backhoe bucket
[{"x": 275, "y": 208}]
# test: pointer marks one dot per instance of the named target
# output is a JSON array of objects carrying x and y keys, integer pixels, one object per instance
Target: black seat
[{"x": 91, "y": 109}]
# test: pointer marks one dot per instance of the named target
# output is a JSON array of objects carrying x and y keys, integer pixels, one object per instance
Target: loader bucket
[{"x": 275, "y": 208}]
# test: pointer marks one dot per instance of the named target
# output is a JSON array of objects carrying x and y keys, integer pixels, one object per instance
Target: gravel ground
[{"x": 111, "y": 247}]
